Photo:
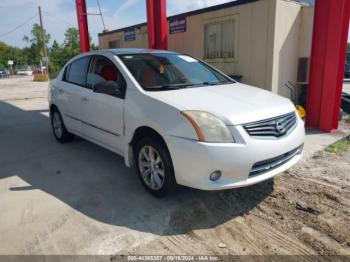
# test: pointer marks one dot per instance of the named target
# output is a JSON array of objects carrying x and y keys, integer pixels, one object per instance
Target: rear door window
[{"x": 77, "y": 71}]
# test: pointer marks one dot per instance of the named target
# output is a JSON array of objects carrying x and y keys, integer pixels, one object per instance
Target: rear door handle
[
  {"x": 60, "y": 91},
  {"x": 84, "y": 99}
]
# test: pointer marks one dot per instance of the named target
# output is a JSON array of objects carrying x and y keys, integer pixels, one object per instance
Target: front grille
[
  {"x": 272, "y": 163},
  {"x": 276, "y": 127}
]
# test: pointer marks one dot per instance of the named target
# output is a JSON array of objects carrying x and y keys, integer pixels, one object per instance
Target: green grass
[{"x": 339, "y": 147}]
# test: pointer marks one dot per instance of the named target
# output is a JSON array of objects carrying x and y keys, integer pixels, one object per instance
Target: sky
[
  {"x": 61, "y": 14},
  {"x": 58, "y": 15}
]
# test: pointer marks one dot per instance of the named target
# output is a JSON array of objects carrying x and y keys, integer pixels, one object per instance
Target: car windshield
[{"x": 167, "y": 71}]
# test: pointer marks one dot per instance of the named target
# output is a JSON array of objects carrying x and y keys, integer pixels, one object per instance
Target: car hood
[{"x": 235, "y": 103}]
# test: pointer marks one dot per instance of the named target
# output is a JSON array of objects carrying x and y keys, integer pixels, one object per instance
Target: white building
[{"x": 266, "y": 42}]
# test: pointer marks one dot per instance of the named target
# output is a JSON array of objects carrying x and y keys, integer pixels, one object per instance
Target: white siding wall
[{"x": 292, "y": 40}]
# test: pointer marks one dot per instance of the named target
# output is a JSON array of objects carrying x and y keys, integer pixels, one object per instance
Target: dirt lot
[
  {"x": 80, "y": 199},
  {"x": 267, "y": 223}
]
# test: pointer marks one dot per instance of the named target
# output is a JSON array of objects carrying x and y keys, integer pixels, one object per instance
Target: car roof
[
  {"x": 128, "y": 51},
  {"x": 124, "y": 51}
]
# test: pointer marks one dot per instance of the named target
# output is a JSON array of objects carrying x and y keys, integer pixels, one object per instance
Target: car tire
[
  {"x": 154, "y": 166},
  {"x": 59, "y": 129}
]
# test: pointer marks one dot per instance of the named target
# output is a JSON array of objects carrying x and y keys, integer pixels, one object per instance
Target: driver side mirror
[{"x": 107, "y": 88}]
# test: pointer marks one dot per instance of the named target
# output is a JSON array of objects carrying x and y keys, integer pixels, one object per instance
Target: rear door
[
  {"x": 70, "y": 93},
  {"x": 103, "y": 115}
]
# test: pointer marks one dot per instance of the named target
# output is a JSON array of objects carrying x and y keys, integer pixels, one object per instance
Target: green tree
[
  {"x": 55, "y": 55},
  {"x": 11, "y": 53},
  {"x": 37, "y": 41},
  {"x": 94, "y": 47},
  {"x": 36, "y": 36},
  {"x": 61, "y": 54},
  {"x": 71, "y": 38}
]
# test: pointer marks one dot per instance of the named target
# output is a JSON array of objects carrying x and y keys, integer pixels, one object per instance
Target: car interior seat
[{"x": 109, "y": 73}]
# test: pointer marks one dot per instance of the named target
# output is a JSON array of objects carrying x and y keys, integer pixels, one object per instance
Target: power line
[
  {"x": 103, "y": 21},
  {"x": 19, "y": 26},
  {"x": 99, "y": 14}
]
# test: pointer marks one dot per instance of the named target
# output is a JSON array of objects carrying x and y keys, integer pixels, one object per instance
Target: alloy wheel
[{"x": 151, "y": 167}]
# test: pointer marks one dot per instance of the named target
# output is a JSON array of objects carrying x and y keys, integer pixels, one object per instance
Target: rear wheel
[
  {"x": 59, "y": 129},
  {"x": 154, "y": 166}
]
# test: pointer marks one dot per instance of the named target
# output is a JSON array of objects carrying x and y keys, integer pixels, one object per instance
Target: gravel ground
[{"x": 277, "y": 225}]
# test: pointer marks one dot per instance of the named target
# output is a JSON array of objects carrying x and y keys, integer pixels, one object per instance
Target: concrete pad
[
  {"x": 66, "y": 199},
  {"x": 316, "y": 141},
  {"x": 80, "y": 199},
  {"x": 22, "y": 87}
]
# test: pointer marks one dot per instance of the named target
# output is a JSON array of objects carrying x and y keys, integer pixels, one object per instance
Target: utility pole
[{"x": 43, "y": 39}]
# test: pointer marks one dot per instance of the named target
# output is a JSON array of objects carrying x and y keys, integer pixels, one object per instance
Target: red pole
[
  {"x": 342, "y": 60},
  {"x": 331, "y": 23},
  {"x": 83, "y": 26},
  {"x": 151, "y": 24},
  {"x": 157, "y": 24},
  {"x": 161, "y": 24}
]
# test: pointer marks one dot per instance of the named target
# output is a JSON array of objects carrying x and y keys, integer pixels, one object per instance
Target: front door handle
[
  {"x": 84, "y": 99},
  {"x": 60, "y": 91}
]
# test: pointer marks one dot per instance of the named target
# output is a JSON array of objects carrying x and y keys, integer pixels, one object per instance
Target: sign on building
[
  {"x": 177, "y": 25},
  {"x": 129, "y": 35}
]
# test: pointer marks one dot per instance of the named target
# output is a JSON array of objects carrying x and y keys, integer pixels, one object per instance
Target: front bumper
[{"x": 194, "y": 161}]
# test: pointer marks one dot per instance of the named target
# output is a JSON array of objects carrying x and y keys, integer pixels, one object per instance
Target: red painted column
[
  {"x": 331, "y": 24},
  {"x": 157, "y": 24},
  {"x": 83, "y": 26},
  {"x": 150, "y": 24},
  {"x": 161, "y": 24},
  {"x": 342, "y": 60}
]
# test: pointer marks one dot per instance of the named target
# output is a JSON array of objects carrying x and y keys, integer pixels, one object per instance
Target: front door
[{"x": 103, "y": 115}]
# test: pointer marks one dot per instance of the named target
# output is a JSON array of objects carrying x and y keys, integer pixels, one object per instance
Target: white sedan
[
  {"x": 26, "y": 71},
  {"x": 177, "y": 119}
]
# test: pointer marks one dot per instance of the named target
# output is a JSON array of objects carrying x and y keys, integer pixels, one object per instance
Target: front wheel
[{"x": 154, "y": 166}]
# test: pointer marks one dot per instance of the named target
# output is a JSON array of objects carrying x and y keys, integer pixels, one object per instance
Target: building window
[
  {"x": 219, "y": 39},
  {"x": 114, "y": 44}
]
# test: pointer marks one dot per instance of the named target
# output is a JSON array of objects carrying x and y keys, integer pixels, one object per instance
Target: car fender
[{"x": 143, "y": 110}]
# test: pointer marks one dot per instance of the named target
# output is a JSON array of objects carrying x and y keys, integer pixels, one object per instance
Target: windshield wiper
[
  {"x": 168, "y": 87},
  {"x": 185, "y": 85},
  {"x": 217, "y": 83}
]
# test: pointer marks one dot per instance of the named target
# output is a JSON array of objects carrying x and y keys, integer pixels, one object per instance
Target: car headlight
[{"x": 209, "y": 128}]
